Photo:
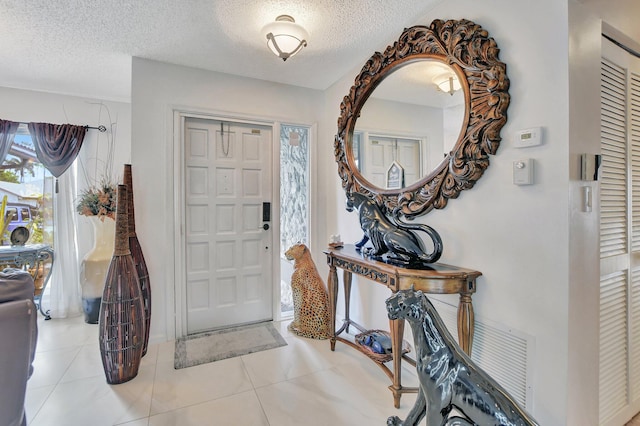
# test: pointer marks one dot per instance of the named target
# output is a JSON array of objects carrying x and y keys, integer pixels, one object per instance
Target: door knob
[{"x": 265, "y": 226}]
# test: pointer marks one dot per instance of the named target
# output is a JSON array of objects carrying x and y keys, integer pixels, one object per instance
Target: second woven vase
[{"x": 138, "y": 257}]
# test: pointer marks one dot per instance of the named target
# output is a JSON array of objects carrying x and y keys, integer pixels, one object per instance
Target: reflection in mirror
[{"x": 408, "y": 124}]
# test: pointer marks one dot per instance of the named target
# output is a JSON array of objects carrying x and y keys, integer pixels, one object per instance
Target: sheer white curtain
[{"x": 65, "y": 295}]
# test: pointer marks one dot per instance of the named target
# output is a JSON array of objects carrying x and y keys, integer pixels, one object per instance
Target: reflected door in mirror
[{"x": 378, "y": 153}]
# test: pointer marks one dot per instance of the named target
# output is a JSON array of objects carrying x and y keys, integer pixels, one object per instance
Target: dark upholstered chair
[{"x": 18, "y": 335}]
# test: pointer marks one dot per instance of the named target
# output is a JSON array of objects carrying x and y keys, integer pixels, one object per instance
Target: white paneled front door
[{"x": 228, "y": 253}]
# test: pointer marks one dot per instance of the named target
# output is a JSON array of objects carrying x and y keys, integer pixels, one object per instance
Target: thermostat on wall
[{"x": 528, "y": 137}]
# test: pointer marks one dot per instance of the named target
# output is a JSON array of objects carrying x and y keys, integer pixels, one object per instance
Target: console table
[
  {"x": 439, "y": 279},
  {"x": 30, "y": 256}
]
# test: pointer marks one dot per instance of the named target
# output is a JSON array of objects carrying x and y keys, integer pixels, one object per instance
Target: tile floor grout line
[
  {"x": 55, "y": 386},
  {"x": 41, "y": 405},
  {"x": 195, "y": 404},
  {"x": 246, "y": 370},
  {"x": 270, "y": 383},
  {"x": 153, "y": 383},
  {"x": 262, "y": 408}
]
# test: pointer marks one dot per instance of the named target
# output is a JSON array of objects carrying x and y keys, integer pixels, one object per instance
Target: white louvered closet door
[{"x": 619, "y": 236}]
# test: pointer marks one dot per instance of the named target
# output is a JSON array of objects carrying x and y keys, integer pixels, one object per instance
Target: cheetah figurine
[{"x": 310, "y": 297}]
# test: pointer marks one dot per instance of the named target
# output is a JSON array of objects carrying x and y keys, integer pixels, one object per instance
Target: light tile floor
[{"x": 303, "y": 383}]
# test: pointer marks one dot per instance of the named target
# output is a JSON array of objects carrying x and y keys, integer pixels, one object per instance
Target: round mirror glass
[{"x": 410, "y": 122}]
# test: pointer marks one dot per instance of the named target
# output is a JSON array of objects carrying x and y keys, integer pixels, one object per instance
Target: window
[
  {"x": 27, "y": 187},
  {"x": 294, "y": 201}
]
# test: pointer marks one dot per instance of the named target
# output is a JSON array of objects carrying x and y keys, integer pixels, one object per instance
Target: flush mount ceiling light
[
  {"x": 285, "y": 38},
  {"x": 447, "y": 83}
]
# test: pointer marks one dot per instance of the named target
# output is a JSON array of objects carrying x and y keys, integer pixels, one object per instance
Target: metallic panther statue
[
  {"x": 449, "y": 379},
  {"x": 396, "y": 239}
]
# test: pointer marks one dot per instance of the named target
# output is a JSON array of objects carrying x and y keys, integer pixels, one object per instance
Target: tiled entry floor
[{"x": 303, "y": 383}]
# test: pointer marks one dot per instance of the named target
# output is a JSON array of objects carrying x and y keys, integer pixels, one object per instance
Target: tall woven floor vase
[
  {"x": 121, "y": 334},
  {"x": 138, "y": 257}
]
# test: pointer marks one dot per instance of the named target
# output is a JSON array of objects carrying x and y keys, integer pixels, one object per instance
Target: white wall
[
  {"x": 27, "y": 105},
  {"x": 620, "y": 19},
  {"x": 517, "y": 236},
  {"x": 157, "y": 90}
]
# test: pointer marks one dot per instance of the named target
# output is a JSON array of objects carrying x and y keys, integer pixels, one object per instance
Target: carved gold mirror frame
[{"x": 467, "y": 48}]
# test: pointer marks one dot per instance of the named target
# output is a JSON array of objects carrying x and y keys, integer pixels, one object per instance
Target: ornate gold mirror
[{"x": 454, "y": 52}]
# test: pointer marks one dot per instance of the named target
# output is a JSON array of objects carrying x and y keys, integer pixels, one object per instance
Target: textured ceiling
[{"x": 84, "y": 47}]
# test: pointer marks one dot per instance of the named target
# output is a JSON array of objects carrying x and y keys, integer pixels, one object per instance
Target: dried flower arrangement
[
  {"x": 100, "y": 197},
  {"x": 99, "y": 200}
]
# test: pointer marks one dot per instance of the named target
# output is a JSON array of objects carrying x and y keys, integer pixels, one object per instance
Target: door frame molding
[{"x": 176, "y": 294}]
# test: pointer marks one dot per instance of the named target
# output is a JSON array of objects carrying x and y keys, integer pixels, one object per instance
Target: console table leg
[
  {"x": 347, "y": 276},
  {"x": 465, "y": 323},
  {"x": 332, "y": 283},
  {"x": 396, "y": 328}
]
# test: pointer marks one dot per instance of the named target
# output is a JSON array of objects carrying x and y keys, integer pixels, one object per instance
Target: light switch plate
[{"x": 523, "y": 172}]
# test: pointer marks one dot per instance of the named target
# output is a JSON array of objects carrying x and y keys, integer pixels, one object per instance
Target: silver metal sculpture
[{"x": 449, "y": 379}]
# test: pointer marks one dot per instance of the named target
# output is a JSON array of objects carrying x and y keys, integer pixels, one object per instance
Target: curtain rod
[{"x": 100, "y": 128}]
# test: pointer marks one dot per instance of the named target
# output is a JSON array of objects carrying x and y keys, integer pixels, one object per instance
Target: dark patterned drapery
[
  {"x": 7, "y": 132},
  {"x": 57, "y": 145}
]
